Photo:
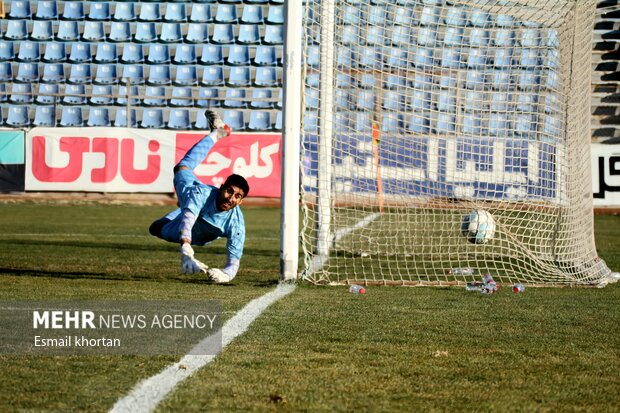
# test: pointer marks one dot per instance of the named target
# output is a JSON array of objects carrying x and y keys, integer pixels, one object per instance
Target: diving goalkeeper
[{"x": 205, "y": 212}]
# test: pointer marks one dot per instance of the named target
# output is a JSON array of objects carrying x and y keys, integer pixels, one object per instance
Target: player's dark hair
[{"x": 239, "y": 182}]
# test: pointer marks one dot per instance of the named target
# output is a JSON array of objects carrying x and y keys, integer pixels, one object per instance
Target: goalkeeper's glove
[
  {"x": 218, "y": 276},
  {"x": 216, "y": 123},
  {"x": 190, "y": 265}
]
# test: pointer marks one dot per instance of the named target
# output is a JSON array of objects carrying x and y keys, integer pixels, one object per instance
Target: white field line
[
  {"x": 147, "y": 394},
  {"x": 318, "y": 261}
]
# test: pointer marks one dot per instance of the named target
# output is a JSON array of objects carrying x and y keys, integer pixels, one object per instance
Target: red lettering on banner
[
  {"x": 109, "y": 147},
  {"x": 139, "y": 176},
  {"x": 75, "y": 147}
]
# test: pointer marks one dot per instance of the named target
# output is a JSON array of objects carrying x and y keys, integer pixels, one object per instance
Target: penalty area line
[{"x": 147, "y": 394}]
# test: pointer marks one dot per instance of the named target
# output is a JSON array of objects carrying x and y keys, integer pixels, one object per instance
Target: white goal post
[{"x": 414, "y": 113}]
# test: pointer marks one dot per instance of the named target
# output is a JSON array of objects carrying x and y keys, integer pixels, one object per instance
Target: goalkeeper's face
[{"x": 229, "y": 197}]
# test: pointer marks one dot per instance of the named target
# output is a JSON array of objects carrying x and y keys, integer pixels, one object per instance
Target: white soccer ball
[{"x": 478, "y": 226}]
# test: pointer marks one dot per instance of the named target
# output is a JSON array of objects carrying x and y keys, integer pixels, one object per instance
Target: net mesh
[{"x": 418, "y": 112}]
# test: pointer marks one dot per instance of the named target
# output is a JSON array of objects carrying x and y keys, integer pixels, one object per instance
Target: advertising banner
[
  {"x": 12, "y": 167},
  {"x": 606, "y": 175}
]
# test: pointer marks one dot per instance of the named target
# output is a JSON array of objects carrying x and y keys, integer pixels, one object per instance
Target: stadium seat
[
  {"x": 451, "y": 58},
  {"x": 80, "y": 73},
  {"x": 479, "y": 18},
  {"x": 223, "y": 33},
  {"x": 530, "y": 37},
  {"x": 120, "y": 118},
  {"x": 42, "y": 31},
  {"x": 21, "y": 93},
  {"x": 93, "y": 31},
  {"x": 504, "y": 20},
  {"x": 377, "y": 14},
  {"x": 68, "y": 31},
  {"x": 252, "y": 14},
  {"x": 479, "y": 37},
  {"x": 419, "y": 100},
  {"x": 201, "y": 121},
  {"x": 392, "y": 123},
  {"x": 266, "y": 76},
  {"x": 201, "y": 13},
  {"x": 235, "y": 119},
  {"x": 418, "y": 122},
  {"x": 446, "y": 100},
  {"x": 472, "y": 124},
  {"x": 74, "y": 95},
  {"x": 476, "y": 79},
  {"x": 502, "y": 101},
  {"x": 7, "y": 51},
  {"x": 80, "y": 53},
  {"x": 47, "y": 94},
  {"x": 71, "y": 116},
  {"x": 266, "y": 56},
  {"x": 27, "y": 72},
  {"x": 312, "y": 79},
  {"x": 211, "y": 55},
  {"x": 132, "y": 53},
  {"x": 54, "y": 53},
  {"x": 430, "y": 16},
  {"x": 375, "y": 35},
  {"x": 185, "y": 54},
  {"x": 120, "y": 32},
  {"x": 350, "y": 35},
  {"x": 258, "y": 1},
  {"x": 502, "y": 80},
  {"x": 106, "y": 74},
  {"x": 181, "y": 96},
  {"x": 134, "y": 74},
  {"x": 213, "y": 76},
  {"x": 278, "y": 125},
  {"x": 226, "y": 13},
  {"x": 6, "y": 72},
  {"x": 363, "y": 123},
  {"x": 403, "y": 15},
  {"x": 343, "y": 101},
  {"x": 73, "y": 10},
  {"x": 524, "y": 125},
  {"x": 261, "y": 99},
  {"x": 238, "y": 55},
  {"x": 401, "y": 36},
  {"x": 529, "y": 58},
  {"x": 101, "y": 95},
  {"x": 502, "y": 57},
  {"x": 453, "y": 36},
  {"x": 350, "y": 15},
  {"x": 526, "y": 101},
  {"x": 274, "y": 35},
  {"x": 424, "y": 81},
  {"x": 260, "y": 121},
  {"x": 239, "y": 76},
  {"x": 424, "y": 58},
  {"x": 499, "y": 125},
  {"x": 248, "y": 34},
  {"x": 105, "y": 53},
  {"x": 152, "y": 119},
  {"x": 445, "y": 123},
  {"x": 528, "y": 79},
  {"x": 185, "y": 76},
  {"x": 393, "y": 101},
  {"x": 149, "y": 12},
  {"x": 53, "y": 73},
  {"x": 124, "y": 12},
  {"x": 20, "y": 9},
  {"x": 235, "y": 99},
  {"x": 397, "y": 58},
  {"x": 17, "y": 117},
  {"x": 313, "y": 57},
  {"x": 477, "y": 58},
  {"x": 145, "y": 32},
  {"x": 365, "y": 100},
  {"x": 16, "y": 30},
  {"x": 426, "y": 36},
  {"x": 178, "y": 119},
  {"x": 343, "y": 80},
  {"x": 456, "y": 16},
  {"x": 159, "y": 75},
  {"x": 208, "y": 98},
  {"x": 44, "y": 116},
  {"x": 155, "y": 96},
  {"x": 197, "y": 33},
  {"x": 29, "y": 52},
  {"x": 99, "y": 11},
  {"x": 503, "y": 37},
  {"x": 171, "y": 32},
  {"x": 311, "y": 98},
  {"x": 310, "y": 121},
  {"x": 158, "y": 54},
  {"x": 98, "y": 117}
]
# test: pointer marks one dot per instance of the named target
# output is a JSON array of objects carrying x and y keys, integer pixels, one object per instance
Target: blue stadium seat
[
  {"x": 502, "y": 57},
  {"x": 350, "y": 15},
  {"x": 155, "y": 96},
  {"x": 502, "y": 80},
  {"x": 181, "y": 96},
  {"x": 425, "y": 81},
  {"x": 226, "y": 13},
  {"x": 3, "y": 94},
  {"x": 120, "y": 118},
  {"x": 258, "y": 1},
  {"x": 529, "y": 58},
  {"x": 201, "y": 121},
  {"x": 375, "y": 35},
  {"x": 105, "y": 53},
  {"x": 80, "y": 53},
  {"x": 392, "y": 123},
  {"x": 266, "y": 76},
  {"x": 479, "y": 37},
  {"x": 526, "y": 101},
  {"x": 451, "y": 57},
  {"x": 476, "y": 79},
  {"x": 42, "y": 30},
  {"x": 197, "y": 33},
  {"x": 132, "y": 53},
  {"x": 424, "y": 57},
  {"x": 74, "y": 95},
  {"x": 472, "y": 124},
  {"x": 278, "y": 125},
  {"x": 502, "y": 101},
  {"x": 20, "y": 9},
  {"x": 29, "y": 52},
  {"x": 27, "y": 72},
  {"x": 54, "y": 53},
  {"x": 252, "y": 14},
  {"x": 235, "y": 119},
  {"x": 124, "y": 12},
  {"x": 208, "y": 97},
  {"x": 238, "y": 55},
  {"x": 98, "y": 117},
  {"x": 99, "y": 11},
  {"x": 503, "y": 37},
  {"x": 260, "y": 121},
  {"x": 185, "y": 54},
  {"x": 426, "y": 36},
  {"x": 477, "y": 100},
  {"x": 171, "y": 32},
  {"x": 430, "y": 16},
  {"x": 445, "y": 123},
  {"x": 419, "y": 100},
  {"x": 310, "y": 121},
  {"x": 158, "y": 54},
  {"x": 553, "y": 126},
  {"x": 44, "y": 116},
  {"x": 479, "y": 18},
  {"x": 453, "y": 36},
  {"x": 16, "y": 30},
  {"x": 185, "y": 76},
  {"x": 368, "y": 57},
  {"x": 528, "y": 79},
  {"x": 456, "y": 16},
  {"x": 106, "y": 74},
  {"x": 149, "y": 12},
  {"x": 419, "y": 122},
  {"x": 21, "y": 93},
  {"x": 239, "y": 76},
  {"x": 477, "y": 58},
  {"x": 178, "y": 119},
  {"x": 68, "y": 31},
  {"x": 530, "y": 37},
  {"x": 71, "y": 116},
  {"x": 312, "y": 79},
  {"x": 248, "y": 34},
  {"x": 213, "y": 76},
  {"x": 363, "y": 123},
  {"x": 152, "y": 118},
  {"x": 223, "y": 33},
  {"x": 235, "y": 99},
  {"x": 504, "y": 20},
  {"x": 261, "y": 99},
  {"x": 133, "y": 74},
  {"x": 201, "y": 13},
  {"x": 159, "y": 75},
  {"x": 499, "y": 124},
  {"x": 93, "y": 31},
  {"x": 46, "y": 10},
  {"x": 393, "y": 101},
  {"x": 397, "y": 58},
  {"x": 6, "y": 72},
  {"x": 47, "y": 94},
  {"x": 446, "y": 100},
  {"x": 101, "y": 95},
  {"x": 350, "y": 35},
  {"x": 266, "y": 56},
  {"x": 175, "y": 12},
  {"x": 80, "y": 73},
  {"x": 343, "y": 80},
  {"x": 311, "y": 98},
  {"x": 366, "y": 100},
  {"x": 53, "y": 73},
  {"x": 401, "y": 36},
  {"x": 403, "y": 15},
  {"x": 145, "y": 32},
  {"x": 342, "y": 100},
  {"x": 313, "y": 56},
  {"x": 17, "y": 117},
  {"x": 524, "y": 125},
  {"x": 120, "y": 32},
  {"x": 73, "y": 10},
  {"x": 377, "y": 15},
  {"x": 211, "y": 55},
  {"x": 7, "y": 51}
]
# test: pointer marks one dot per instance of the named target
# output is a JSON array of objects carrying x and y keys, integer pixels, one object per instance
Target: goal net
[{"x": 417, "y": 112}]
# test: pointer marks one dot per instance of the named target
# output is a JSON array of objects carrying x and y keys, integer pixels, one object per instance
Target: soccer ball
[{"x": 478, "y": 226}]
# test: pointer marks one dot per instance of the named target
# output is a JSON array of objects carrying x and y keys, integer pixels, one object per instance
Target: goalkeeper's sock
[{"x": 199, "y": 151}]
